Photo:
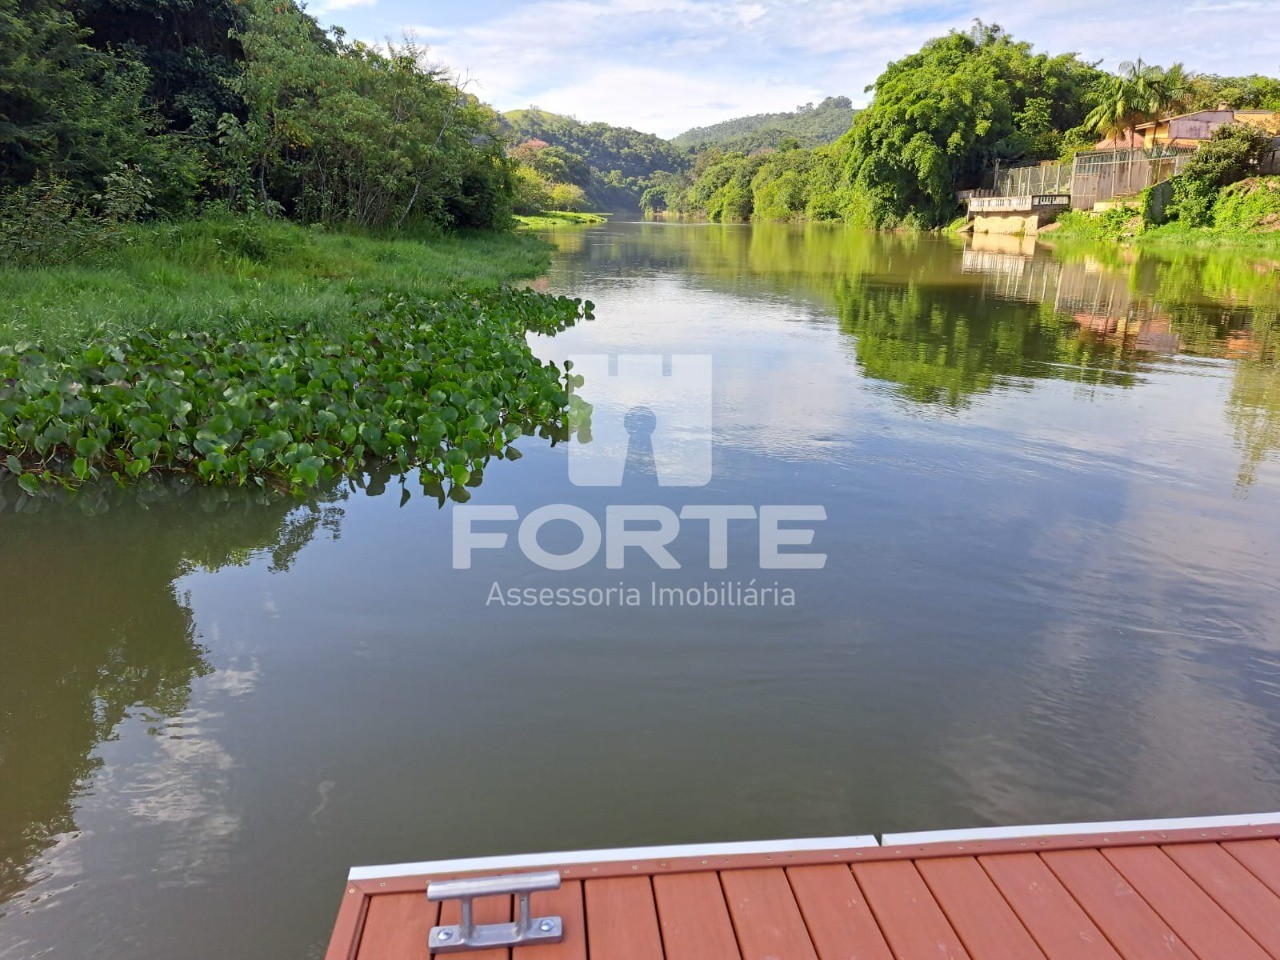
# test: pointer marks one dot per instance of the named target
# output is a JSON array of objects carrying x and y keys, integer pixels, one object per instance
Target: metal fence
[
  {"x": 1094, "y": 175},
  {"x": 1100, "y": 175},
  {"x": 1043, "y": 178}
]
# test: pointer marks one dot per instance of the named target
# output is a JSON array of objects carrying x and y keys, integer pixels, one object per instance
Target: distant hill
[
  {"x": 810, "y": 125},
  {"x": 619, "y": 160}
]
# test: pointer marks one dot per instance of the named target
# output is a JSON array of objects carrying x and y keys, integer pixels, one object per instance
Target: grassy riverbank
[
  {"x": 241, "y": 351},
  {"x": 1126, "y": 226},
  {"x": 560, "y": 218},
  {"x": 227, "y": 273}
]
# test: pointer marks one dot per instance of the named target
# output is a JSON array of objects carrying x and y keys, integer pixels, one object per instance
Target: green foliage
[
  {"x": 532, "y": 191},
  {"x": 548, "y": 178},
  {"x": 1234, "y": 152},
  {"x": 438, "y": 385},
  {"x": 806, "y": 126},
  {"x": 69, "y": 111},
  {"x": 221, "y": 274},
  {"x": 554, "y": 219},
  {"x": 1252, "y": 204},
  {"x": 942, "y": 115},
  {"x": 48, "y": 221},
  {"x": 187, "y": 47},
  {"x": 1137, "y": 93},
  {"x": 568, "y": 197},
  {"x": 619, "y": 162},
  {"x": 1253, "y": 92},
  {"x": 338, "y": 132}
]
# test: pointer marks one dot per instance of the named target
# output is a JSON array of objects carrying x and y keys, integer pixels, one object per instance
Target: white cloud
[
  {"x": 666, "y": 65},
  {"x": 328, "y": 6}
]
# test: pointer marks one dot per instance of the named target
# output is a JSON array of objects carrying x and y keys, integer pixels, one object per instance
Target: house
[
  {"x": 1191, "y": 129},
  {"x": 1129, "y": 140}
]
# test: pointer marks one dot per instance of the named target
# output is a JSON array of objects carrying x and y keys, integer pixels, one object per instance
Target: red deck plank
[
  {"x": 911, "y": 920},
  {"x": 566, "y": 903},
  {"x": 1134, "y": 929},
  {"x": 1249, "y": 901},
  {"x": 839, "y": 921},
  {"x": 484, "y": 910},
  {"x": 1203, "y": 925},
  {"x": 986, "y": 924},
  {"x": 1051, "y": 915},
  {"x": 1261, "y": 857},
  {"x": 765, "y": 916},
  {"x": 694, "y": 918},
  {"x": 396, "y": 927},
  {"x": 622, "y": 920}
]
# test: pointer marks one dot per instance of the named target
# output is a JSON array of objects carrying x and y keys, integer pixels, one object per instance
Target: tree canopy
[
  {"x": 807, "y": 126},
  {"x": 942, "y": 115}
]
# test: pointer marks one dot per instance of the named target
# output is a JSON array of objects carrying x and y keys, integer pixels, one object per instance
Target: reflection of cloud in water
[
  {"x": 774, "y": 394},
  {"x": 175, "y": 783},
  {"x": 1157, "y": 678},
  {"x": 183, "y": 791}
]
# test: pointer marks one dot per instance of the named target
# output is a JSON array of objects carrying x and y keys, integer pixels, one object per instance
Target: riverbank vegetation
[
  {"x": 940, "y": 120},
  {"x": 242, "y": 248},
  {"x": 809, "y": 125},
  {"x": 1218, "y": 198},
  {"x": 566, "y": 164}
]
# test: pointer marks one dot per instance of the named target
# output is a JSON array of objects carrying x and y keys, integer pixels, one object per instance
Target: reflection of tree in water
[
  {"x": 941, "y": 345},
  {"x": 94, "y": 630},
  {"x": 1254, "y": 408}
]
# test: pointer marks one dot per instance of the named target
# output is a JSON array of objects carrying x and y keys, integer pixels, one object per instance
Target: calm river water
[{"x": 1051, "y": 482}]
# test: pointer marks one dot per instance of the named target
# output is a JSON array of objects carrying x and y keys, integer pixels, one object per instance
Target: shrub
[
  {"x": 1252, "y": 204},
  {"x": 532, "y": 192},
  {"x": 1234, "y": 152},
  {"x": 49, "y": 221},
  {"x": 568, "y": 196}
]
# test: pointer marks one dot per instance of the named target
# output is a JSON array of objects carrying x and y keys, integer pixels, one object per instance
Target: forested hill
[
  {"x": 612, "y": 165},
  {"x": 808, "y": 125}
]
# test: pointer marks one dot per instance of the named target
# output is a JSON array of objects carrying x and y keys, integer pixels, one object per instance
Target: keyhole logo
[{"x": 650, "y": 418}]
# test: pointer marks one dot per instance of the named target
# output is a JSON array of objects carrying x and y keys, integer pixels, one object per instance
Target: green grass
[
  {"x": 1125, "y": 225},
  {"x": 227, "y": 274},
  {"x": 1176, "y": 234},
  {"x": 560, "y": 218}
]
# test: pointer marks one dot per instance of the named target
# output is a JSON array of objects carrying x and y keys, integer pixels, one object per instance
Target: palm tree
[
  {"x": 1136, "y": 94},
  {"x": 1177, "y": 88}
]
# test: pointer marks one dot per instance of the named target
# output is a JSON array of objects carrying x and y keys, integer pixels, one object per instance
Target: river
[{"x": 1002, "y": 549}]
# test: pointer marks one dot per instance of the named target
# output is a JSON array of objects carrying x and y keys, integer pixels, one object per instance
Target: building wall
[
  {"x": 1198, "y": 126},
  {"x": 1006, "y": 223}
]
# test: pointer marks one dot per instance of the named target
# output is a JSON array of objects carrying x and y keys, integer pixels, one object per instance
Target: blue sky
[{"x": 666, "y": 65}]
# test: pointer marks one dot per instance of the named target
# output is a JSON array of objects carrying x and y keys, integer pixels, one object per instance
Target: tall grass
[{"x": 226, "y": 274}]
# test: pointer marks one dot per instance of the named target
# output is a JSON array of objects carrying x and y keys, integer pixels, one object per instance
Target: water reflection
[
  {"x": 95, "y": 633},
  {"x": 945, "y": 321}
]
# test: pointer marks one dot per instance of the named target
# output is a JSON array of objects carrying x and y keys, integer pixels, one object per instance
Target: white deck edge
[
  {"x": 526, "y": 861},
  {"x": 1072, "y": 829}
]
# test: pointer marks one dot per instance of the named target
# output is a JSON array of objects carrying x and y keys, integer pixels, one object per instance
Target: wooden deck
[{"x": 1163, "y": 890}]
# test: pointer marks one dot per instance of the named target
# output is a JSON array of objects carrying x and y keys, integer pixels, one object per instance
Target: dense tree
[
  {"x": 339, "y": 132},
  {"x": 942, "y": 115},
  {"x": 619, "y": 162},
  {"x": 66, "y": 109},
  {"x": 807, "y": 126},
  {"x": 189, "y": 47},
  {"x": 1253, "y": 92},
  {"x": 1139, "y": 92}
]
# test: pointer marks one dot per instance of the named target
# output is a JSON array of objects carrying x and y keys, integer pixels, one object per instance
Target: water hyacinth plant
[{"x": 439, "y": 385}]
